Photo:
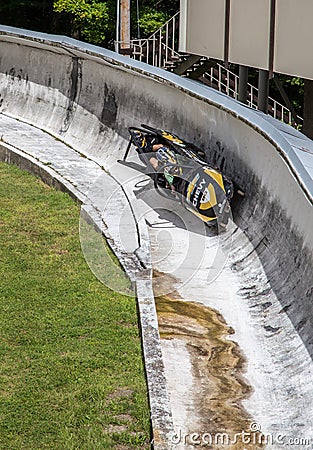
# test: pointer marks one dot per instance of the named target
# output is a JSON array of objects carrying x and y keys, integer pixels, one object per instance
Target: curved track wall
[{"x": 89, "y": 96}]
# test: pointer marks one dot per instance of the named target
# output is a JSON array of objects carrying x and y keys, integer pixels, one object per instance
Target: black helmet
[{"x": 138, "y": 138}]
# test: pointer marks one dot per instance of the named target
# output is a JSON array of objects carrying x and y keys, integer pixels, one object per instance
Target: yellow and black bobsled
[
  {"x": 182, "y": 174},
  {"x": 205, "y": 195}
]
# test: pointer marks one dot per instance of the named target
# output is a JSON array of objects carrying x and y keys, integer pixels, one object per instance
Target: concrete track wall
[{"x": 89, "y": 96}]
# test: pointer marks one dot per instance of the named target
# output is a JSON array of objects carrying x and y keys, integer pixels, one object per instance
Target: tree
[
  {"x": 153, "y": 14},
  {"x": 34, "y": 14},
  {"x": 89, "y": 20},
  {"x": 151, "y": 20}
]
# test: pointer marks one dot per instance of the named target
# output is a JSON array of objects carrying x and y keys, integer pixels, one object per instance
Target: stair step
[{"x": 176, "y": 58}]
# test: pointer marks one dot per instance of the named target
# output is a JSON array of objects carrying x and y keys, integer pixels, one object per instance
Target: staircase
[{"x": 161, "y": 50}]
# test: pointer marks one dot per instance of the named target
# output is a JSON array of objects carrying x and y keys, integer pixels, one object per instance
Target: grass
[{"x": 71, "y": 371}]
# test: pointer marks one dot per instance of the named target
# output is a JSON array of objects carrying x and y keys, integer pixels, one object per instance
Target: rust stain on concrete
[{"x": 218, "y": 366}]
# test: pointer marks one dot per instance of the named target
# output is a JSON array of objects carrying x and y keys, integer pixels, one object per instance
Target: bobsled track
[{"x": 228, "y": 340}]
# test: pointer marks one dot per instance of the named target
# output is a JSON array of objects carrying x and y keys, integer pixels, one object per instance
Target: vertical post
[
  {"x": 117, "y": 31},
  {"x": 173, "y": 34},
  {"x": 243, "y": 84},
  {"x": 125, "y": 24},
  {"x": 272, "y": 38},
  {"x": 263, "y": 90},
  {"x": 138, "y": 20},
  {"x": 226, "y": 32},
  {"x": 160, "y": 49}
]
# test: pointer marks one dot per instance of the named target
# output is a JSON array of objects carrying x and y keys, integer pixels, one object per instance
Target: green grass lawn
[{"x": 71, "y": 371}]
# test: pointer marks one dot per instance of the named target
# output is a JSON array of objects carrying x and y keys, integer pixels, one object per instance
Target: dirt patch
[
  {"x": 218, "y": 368},
  {"x": 120, "y": 392},
  {"x": 124, "y": 418},
  {"x": 117, "y": 428}
]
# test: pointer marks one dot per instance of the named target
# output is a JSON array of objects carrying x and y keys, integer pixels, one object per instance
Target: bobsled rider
[
  {"x": 167, "y": 159},
  {"x": 164, "y": 157}
]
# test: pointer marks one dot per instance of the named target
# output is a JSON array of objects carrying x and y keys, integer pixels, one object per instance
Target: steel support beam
[
  {"x": 272, "y": 38},
  {"x": 263, "y": 90},
  {"x": 226, "y": 33},
  {"x": 243, "y": 84}
]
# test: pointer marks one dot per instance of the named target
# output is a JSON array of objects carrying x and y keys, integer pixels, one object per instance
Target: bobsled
[{"x": 180, "y": 173}]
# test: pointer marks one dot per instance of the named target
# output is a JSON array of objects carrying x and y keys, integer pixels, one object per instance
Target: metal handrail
[
  {"x": 148, "y": 50},
  {"x": 276, "y": 109},
  {"x": 161, "y": 48},
  {"x": 165, "y": 38},
  {"x": 165, "y": 26}
]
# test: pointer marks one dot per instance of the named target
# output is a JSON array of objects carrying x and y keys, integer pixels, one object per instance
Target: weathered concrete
[{"x": 88, "y": 97}]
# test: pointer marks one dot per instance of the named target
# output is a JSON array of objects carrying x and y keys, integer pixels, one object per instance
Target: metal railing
[
  {"x": 152, "y": 51},
  {"x": 227, "y": 82},
  {"x": 167, "y": 36},
  {"x": 161, "y": 50}
]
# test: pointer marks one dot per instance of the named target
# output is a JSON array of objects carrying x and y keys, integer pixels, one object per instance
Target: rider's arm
[{"x": 169, "y": 178}]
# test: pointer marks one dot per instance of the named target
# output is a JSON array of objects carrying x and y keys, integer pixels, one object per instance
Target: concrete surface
[{"x": 235, "y": 311}]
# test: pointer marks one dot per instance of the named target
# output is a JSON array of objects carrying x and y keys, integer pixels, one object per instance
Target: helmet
[
  {"x": 168, "y": 158},
  {"x": 138, "y": 139},
  {"x": 165, "y": 155}
]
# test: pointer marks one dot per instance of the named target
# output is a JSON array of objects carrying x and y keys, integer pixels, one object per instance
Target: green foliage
[
  {"x": 151, "y": 20},
  {"x": 294, "y": 88},
  {"x": 169, "y": 7},
  {"x": 90, "y": 19},
  {"x": 296, "y": 83}
]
